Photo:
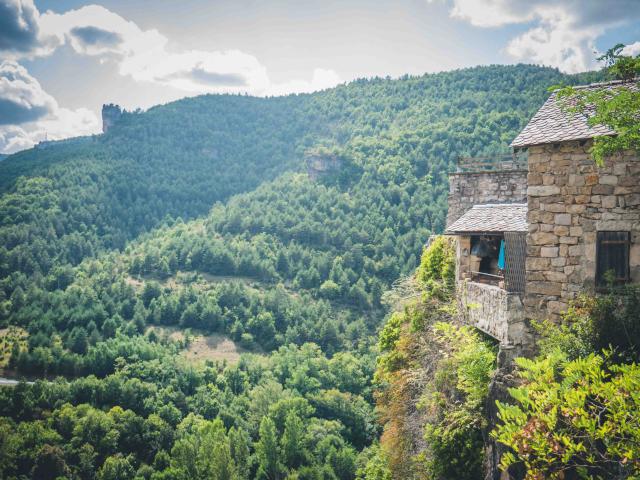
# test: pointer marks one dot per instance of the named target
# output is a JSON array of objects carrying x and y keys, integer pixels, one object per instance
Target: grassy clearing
[
  {"x": 200, "y": 280},
  {"x": 201, "y": 347},
  {"x": 8, "y": 337}
]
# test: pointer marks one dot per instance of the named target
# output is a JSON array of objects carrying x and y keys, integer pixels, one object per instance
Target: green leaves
[
  {"x": 581, "y": 415},
  {"x": 616, "y": 107}
]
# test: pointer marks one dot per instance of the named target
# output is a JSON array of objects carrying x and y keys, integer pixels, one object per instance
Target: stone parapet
[{"x": 493, "y": 310}]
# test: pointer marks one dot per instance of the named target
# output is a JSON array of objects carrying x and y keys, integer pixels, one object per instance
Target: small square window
[{"x": 612, "y": 258}]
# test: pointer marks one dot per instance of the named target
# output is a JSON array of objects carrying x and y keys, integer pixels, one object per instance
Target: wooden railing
[{"x": 487, "y": 278}]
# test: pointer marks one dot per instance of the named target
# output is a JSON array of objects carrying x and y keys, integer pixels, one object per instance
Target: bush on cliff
[{"x": 434, "y": 377}]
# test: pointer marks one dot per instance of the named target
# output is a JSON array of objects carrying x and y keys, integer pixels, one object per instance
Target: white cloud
[
  {"x": 18, "y": 26},
  {"x": 29, "y": 114},
  {"x": 558, "y": 44},
  {"x": 143, "y": 55},
  {"x": 562, "y": 33},
  {"x": 320, "y": 80},
  {"x": 489, "y": 13},
  {"x": 21, "y": 96},
  {"x": 632, "y": 49}
]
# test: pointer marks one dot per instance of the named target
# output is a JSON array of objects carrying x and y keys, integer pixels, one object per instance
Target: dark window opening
[
  {"x": 612, "y": 258},
  {"x": 485, "y": 257}
]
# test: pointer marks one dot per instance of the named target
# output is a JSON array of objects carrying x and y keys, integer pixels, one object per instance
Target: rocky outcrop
[
  {"x": 111, "y": 113},
  {"x": 503, "y": 379},
  {"x": 321, "y": 163}
]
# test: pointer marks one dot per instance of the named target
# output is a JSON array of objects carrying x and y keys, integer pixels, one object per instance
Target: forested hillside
[{"x": 198, "y": 216}]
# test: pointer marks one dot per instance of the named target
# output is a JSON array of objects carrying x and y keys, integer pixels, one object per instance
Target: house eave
[
  {"x": 518, "y": 145},
  {"x": 480, "y": 232}
]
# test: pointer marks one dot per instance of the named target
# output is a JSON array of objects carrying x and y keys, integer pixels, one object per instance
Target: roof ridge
[
  {"x": 519, "y": 204},
  {"x": 551, "y": 124},
  {"x": 607, "y": 83}
]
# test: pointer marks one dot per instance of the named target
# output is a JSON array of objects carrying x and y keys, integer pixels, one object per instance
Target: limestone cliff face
[
  {"x": 320, "y": 164},
  {"x": 111, "y": 113}
]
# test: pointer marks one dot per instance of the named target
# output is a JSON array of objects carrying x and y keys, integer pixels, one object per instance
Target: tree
[
  {"x": 78, "y": 341},
  {"x": 291, "y": 442},
  {"x": 374, "y": 466},
  {"x": 616, "y": 107},
  {"x": 203, "y": 451},
  {"x": 116, "y": 467},
  {"x": 50, "y": 463},
  {"x": 269, "y": 467},
  {"x": 151, "y": 290},
  {"x": 330, "y": 289},
  {"x": 239, "y": 447}
]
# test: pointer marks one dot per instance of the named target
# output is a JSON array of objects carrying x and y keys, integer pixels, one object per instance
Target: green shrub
[
  {"x": 436, "y": 273},
  {"x": 616, "y": 322},
  {"x": 595, "y": 323},
  {"x": 573, "y": 419},
  {"x": 455, "y": 400}
]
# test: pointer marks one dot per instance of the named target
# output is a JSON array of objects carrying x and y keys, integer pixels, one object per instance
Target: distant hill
[{"x": 178, "y": 159}]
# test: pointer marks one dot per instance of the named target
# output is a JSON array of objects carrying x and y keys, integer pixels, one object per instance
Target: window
[{"x": 612, "y": 257}]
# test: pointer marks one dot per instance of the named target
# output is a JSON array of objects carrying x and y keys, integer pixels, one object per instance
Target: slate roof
[
  {"x": 493, "y": 217},
  {"x": 551, "y": 125}
]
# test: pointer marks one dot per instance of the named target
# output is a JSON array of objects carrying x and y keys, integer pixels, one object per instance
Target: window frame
[{"x": 600, "y": 281}]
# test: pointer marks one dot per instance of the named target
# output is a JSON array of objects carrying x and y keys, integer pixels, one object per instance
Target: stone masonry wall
[
  {"x": 469, "y": 189},
  {"x": 570, "y": 199},
  {"x": 494, "y": 311}
]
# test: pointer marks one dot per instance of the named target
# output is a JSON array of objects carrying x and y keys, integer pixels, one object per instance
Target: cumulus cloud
[
  {"x": 632, "y": 49},
  {"x": 28, "y": 114},
  {"x": 21, "y": 96},
  {"x": 145, "y": 56},
  {"x": 562, "y": 33},
  {"x": 18, "y": 26}
]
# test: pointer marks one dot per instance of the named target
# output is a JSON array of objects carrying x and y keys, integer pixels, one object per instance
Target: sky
[{"x": 60, "y": 60}]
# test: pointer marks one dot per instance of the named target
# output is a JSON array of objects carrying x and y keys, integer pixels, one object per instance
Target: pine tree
[
  {"x": 267, "y": 451},
  {"x": 291, "y": 443}
]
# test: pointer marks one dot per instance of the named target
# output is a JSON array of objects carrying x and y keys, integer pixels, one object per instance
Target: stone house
[{"x": 536, "y": 229}]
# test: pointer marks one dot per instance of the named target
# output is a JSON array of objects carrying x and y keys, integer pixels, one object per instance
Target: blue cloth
[{"x": 501, "y": 256}]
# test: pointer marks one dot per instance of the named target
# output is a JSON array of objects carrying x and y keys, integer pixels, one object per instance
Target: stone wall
[
  {"x": 467, "y": 189},
  {"x": 493, "y": 310},
  {"x": 570, "y": 199},
  {"x": 463, "y": 260}
]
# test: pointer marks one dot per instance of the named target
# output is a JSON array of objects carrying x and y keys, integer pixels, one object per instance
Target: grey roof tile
[
  {"x": 551, "y": 125},
  {"x": 493, "y": 217}
]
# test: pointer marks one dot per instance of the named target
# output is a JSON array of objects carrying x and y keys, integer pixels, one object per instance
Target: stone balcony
[{"x": 493, "y": 310}]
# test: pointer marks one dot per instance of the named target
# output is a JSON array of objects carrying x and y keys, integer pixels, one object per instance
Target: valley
[{"x": 186, "y": 278}]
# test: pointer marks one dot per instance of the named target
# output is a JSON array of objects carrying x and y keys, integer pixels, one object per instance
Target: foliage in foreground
[
  {"x": 580, "y": 417},
  {"x": 577, "y": 412}
]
